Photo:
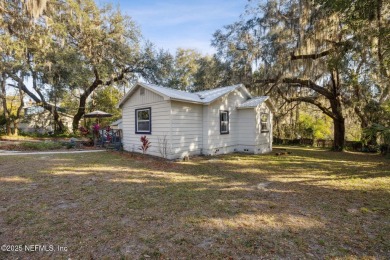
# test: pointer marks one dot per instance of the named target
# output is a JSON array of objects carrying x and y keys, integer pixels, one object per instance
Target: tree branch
[
  {"x": 297, "y": 82},
  {"x": 24, "y": 88},
  {"x": 35, "y": 86},
  {"x": 281, "y": 115},
  {"x": 310, "y": 100},
  {"x": 310, "y": 56}
]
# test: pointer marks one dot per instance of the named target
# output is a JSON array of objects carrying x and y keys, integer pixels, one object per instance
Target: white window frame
[
  {"x": 266, "y": 123},
  {"x": 149, "y": 109},
  {"x": 227, "y": 122}
]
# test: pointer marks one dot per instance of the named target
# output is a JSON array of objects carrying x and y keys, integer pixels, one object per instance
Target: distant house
[
  {"x": 38, "y": 120},
  {"x": 178, "y": 123},
  {"x": 116, "y": 124}
]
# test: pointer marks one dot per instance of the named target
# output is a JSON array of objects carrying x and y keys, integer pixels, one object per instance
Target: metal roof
[
  {"x": 117, "y": 122},
  {"x": 171, "y": 93},
  {"x": 253, "y": 102},
  {"x": 201, "y": 97},
  {"x": 209, "y": 96}
]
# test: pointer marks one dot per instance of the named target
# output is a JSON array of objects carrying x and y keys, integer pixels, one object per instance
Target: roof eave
[
  {"x": 246, "y": 107},
  {"x": 186, "y": 101},
  {"x": 227, "y": 93},
  {"x": 270, "y": 105},
  {"x": 245, "y": 90},
  {"x": 132, "y": 90},
  {"x": 126, "y": 96},
  {"x": 266, "y": 100}
]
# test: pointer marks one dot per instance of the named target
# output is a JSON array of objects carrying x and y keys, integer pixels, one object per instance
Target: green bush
[
  {"x": 40, "y": 146},
  {"x": 314, "y": 127},
  {"x": 381, "y": 133},
  {"x": 33, "y": 134},
  {"x": 66, "y": 135},
  {"x": 69, "y": 145},
  {"x": 45, "y": 135}
]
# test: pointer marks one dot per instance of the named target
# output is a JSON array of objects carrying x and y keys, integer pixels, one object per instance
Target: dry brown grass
[{"x": 310, "y": 204}]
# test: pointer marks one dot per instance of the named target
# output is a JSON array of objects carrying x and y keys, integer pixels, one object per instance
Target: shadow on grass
[{"x": 306, "y": 205}]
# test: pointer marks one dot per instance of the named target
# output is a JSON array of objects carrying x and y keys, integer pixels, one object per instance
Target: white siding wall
[
  {"x": 263, "y": 139},
  {"x": 187, "y": 129},
  {"x": 247, "y": 122},
  {"x": 161, "y": 123},
  {"x": 215, "y": 142},
  {"x": 194, "y": 129},
  {"x": 205, "y": 130}
]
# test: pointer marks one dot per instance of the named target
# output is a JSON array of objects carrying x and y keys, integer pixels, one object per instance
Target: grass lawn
[{"x": 310, "y": 204}]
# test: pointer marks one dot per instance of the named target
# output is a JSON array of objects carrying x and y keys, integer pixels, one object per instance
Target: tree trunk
[
  {"x": 337, "y": 111},
  {"x": 83, "y": 101},
  {"x": 339, "y": 134},
  {"x": 3, "y": 96},
  {"x": 16, "y": 125},
  {"x": 80, "y": 113},
  {"x": 20, "y": 108},
  {"x": 8, "y": 127},
  {"x": 60, "y": 125},
  {"x": 56, "y": 116}
]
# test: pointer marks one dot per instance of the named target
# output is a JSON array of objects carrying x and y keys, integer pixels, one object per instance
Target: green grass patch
[
  {"x": 310, "y": 204},
  {"x": 41, "y": 146}
]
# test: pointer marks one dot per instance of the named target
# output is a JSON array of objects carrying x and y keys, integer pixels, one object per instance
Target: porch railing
[{"x": 111, "y": 138}]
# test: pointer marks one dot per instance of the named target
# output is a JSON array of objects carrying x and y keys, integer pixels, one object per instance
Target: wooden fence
[{"x": 351, "y": 145}]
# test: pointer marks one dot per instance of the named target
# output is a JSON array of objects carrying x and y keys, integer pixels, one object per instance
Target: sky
[{"x": 171, "y": 24}]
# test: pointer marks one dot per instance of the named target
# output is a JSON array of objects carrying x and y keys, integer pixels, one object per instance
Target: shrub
[
  {"x": 46, "y": 135},
  {"x": 145, "y": 144},
  {"x": 83, "y": 131},
  {"x": 40, "y": 146},
  {"x": 382, "y": 133}
]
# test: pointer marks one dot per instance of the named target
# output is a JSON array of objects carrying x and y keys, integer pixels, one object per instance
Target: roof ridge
[
  {"x": 202, "y": 97},
  {"x": 217, "y": 88},
  {"x": 259, "y": 97},
  {"x": 159, "y": 86}
]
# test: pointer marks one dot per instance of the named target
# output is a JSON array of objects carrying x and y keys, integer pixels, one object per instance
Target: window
[
  {"x": 141, "y": 91},
  {"x": 143, "y": 121},
  {"x": 264, "y": 122},
  {"x": 224, "y": 122}
]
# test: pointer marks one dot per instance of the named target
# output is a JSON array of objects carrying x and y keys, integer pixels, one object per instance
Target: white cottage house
[{"x": 179, "y": 123}]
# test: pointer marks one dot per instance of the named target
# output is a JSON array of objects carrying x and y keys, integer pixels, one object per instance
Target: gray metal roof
[
  {"x": 117, "y": 122},
  {"x": 253, "y": 102},
  {"x": 172, "y": 93},
  {"x": 208, "y": 96},
  {"x": 201, "y": 97}
]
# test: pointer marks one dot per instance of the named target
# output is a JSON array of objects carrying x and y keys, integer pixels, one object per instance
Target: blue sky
[{"x": 172, "y": 24}]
